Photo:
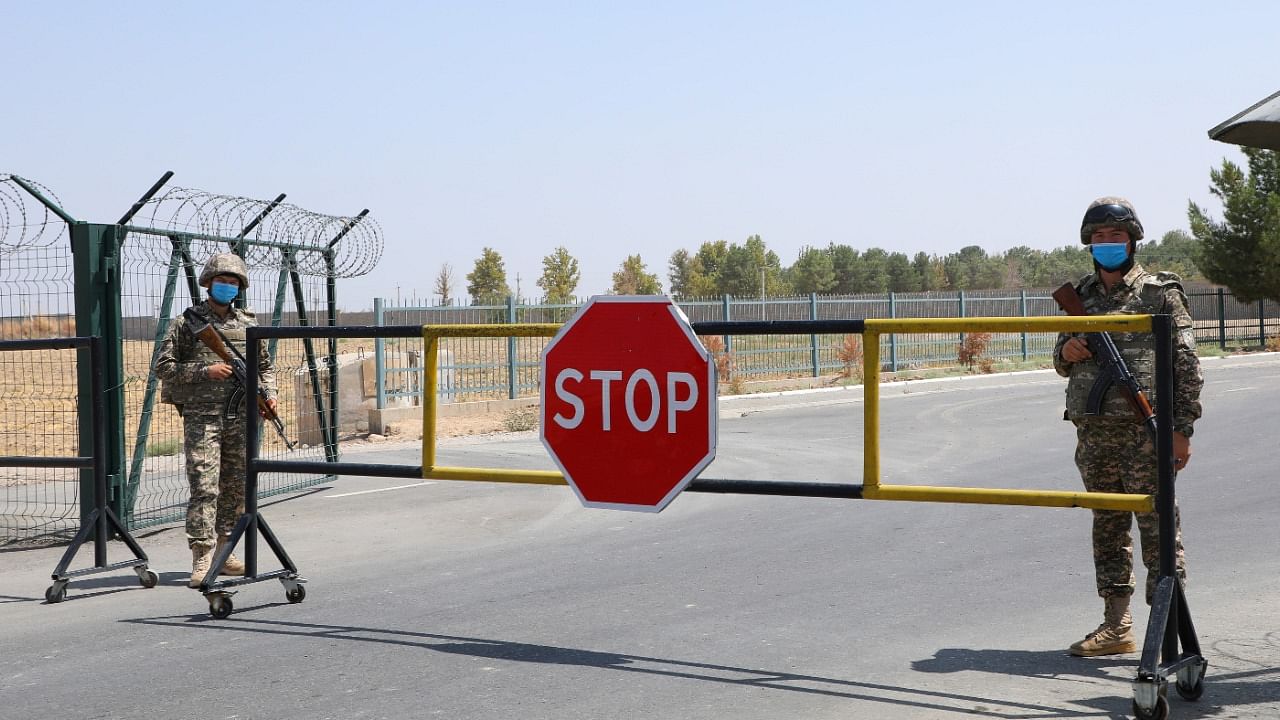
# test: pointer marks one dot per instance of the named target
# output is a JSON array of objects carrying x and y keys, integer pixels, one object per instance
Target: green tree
[
  {"x": 745, "y": 266},
  {"x": 923, "y": 266},
  {"x": 874, "y": 275},
  {"x": 902, "y": 275},
  {"x": 559, "y": 276},
  {"x": 633, "y": 278},
  {"x": 688, "y": 279},
  {"x": 487, "y": 283},
  {"x": 813, "y": 272},
  {"x": 973, "y": 269},
  {"x": 1176, "y": 252},
  {"x": 711, "y": 256},
  {"x": 845, "y": 263},
  {"x": 1242, "y": 251}
]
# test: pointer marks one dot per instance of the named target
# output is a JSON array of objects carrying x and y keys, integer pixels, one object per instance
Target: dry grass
[{"x": 40, "y": 326}]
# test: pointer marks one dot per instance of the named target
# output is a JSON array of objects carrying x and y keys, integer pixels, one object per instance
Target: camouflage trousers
[
  {"x": 215, "y": 471},
  {"x": 1116, "y": 456}
]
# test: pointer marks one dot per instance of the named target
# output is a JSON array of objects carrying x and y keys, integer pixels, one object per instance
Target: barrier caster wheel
[
  {"x": 296, "y": 594},
  {"x": 220, "y": 607},
  {"x": 1159, "y": 712},
  {"x": 56, "y": 593},
  {"x": 1190, "y": 684},
  {"x": 148, "y": 578}
]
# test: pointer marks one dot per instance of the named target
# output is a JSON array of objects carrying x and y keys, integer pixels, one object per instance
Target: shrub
[
  {"x": 521, "y": 419},
  {"x": 168, "y": 446},
  {"x": 970, "y": 350},
  {"x": 724, "y": 360},
  {"x": 849, "y": 351}
]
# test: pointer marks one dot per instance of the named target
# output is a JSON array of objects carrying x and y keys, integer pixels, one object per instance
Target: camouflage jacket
[
  {"x": 1138, "y": 293},
  {"x": 183, "y": 360}
]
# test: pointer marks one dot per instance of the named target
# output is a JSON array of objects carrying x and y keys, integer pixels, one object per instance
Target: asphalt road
[{"x": 478, "y": 600}]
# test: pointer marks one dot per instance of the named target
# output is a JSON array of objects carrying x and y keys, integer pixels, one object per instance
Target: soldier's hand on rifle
[
  {"x": 1076, "y": 350},
  {"x": 271, "y": 404},
  {"x": 218, "y": 371}
]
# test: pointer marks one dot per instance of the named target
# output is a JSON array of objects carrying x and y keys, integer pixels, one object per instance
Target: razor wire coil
[
  {"x": 268, "y": 234},
  {"x": 25, "y": 222},
  {"x": 276, "y": 235}
]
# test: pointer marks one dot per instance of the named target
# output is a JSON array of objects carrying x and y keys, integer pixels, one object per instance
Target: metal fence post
[
  {"x": 728, "y": 339},
  {"x": 893, "y": 337},
  {"x": 1222, "y": 320},
  {"x": 512, "y": 379},
  {"x": 379, "y": 356},
  {"x": 96, "y": 262},
  {"x": 813, "y": 339},
  {"x": 1022, "y": 305},
  {"x": 1262, "y": 322}
]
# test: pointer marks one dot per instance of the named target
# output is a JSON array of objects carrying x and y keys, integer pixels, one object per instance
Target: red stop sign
[{"x": 628, "y": 402}]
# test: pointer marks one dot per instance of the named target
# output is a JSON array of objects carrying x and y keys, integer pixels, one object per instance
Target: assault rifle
[
  {"x": 1111, "y": 364},
  {"x": 218, "y": 343}
]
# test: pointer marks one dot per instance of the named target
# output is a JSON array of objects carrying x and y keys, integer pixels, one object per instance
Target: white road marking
[{"x": 366, "y": 492}]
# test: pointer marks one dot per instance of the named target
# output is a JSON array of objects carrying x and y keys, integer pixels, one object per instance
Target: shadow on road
[
  {"x": 1241, "y": 686},
  {"x": 937, "y": 701}
]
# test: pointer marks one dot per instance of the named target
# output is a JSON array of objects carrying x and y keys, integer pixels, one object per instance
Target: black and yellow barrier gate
[{"x": 1171, "y": 647}]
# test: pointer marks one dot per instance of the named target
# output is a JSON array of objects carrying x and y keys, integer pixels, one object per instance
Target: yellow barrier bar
[
  {"x": 1090, "y": 323},
  {"x": 431, "y": 354},
  {"x": 985, "y": 496},
  {"x": 431, "y": 335},
  {"x": 871, "y": 408},
  {"x": 530, "y": 477}
]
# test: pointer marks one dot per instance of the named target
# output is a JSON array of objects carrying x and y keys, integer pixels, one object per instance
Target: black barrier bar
[
  {"x": 779, "y": 327},
  {"x": 302, "y": 332},
  {"x": 100, "y": 522},
  {"x": 1170, "y": 619},
  {"x": 46, "y": 461},
  {"x": 776, "y": 487},
  {"x": 339, "y": 468}
]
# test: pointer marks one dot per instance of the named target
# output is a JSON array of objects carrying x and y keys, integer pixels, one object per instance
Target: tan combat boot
[
  {"x": 1114, "y": 636},
  {"x": 201, "y": 559},
  {"x": 233, "y": 565}
]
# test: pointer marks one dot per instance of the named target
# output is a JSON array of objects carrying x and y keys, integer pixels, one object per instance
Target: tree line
[{"x": 1241, "y": 251}]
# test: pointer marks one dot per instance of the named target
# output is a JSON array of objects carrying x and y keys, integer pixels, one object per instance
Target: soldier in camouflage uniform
[
  {"x": 1113, "y": 451},
  {"x": 199, "y": 384}
]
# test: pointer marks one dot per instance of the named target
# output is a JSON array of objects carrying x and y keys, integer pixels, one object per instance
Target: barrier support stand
[
  {"x": 101, "y": 523},
  {"x": 1170, "y": 620},
  {"x": 251, "y": 523}
]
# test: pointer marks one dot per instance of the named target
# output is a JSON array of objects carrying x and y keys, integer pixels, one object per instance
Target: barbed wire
[
  {"x": 278, "y": 234},
  {"x": 24, "y": 221},
  {"x": 287, "y": 234}
]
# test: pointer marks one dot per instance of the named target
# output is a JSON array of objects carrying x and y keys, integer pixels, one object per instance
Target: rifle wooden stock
[
  {"x": 1114, "y": 369},
  {"x": 212, "y": 339}
]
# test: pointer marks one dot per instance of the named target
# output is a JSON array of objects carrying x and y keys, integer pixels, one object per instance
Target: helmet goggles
[{"x": 1107, "y": 214}]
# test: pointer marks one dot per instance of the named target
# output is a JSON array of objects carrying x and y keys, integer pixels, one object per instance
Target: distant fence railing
[{"x": 473, "y": 369}]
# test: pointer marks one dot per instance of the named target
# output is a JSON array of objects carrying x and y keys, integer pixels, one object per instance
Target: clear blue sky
[{"x": 643, "y": 128}]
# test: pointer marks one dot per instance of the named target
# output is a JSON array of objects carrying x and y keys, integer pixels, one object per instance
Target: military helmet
[
  {"x": 225, "y": 264},
  {"x": 1110, "y": 212}
]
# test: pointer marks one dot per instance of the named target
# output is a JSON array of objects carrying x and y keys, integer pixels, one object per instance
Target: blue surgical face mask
[
  {"x": 1110, "y": 255},
  {"x": 223, "y": 293}
]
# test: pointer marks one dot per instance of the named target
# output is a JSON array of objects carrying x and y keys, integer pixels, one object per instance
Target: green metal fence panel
[
  {"x": 127, "y": 282},
  {"x": 474, "y": 369}
]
